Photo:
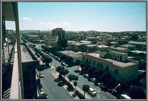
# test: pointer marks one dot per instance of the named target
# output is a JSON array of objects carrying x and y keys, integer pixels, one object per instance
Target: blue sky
[{"x": 77, "y": 16}]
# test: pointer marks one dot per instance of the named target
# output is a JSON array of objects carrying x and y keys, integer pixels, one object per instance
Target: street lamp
[{"x": 115, "y": 88}]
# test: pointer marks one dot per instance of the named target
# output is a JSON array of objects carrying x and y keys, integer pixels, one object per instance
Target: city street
[{"x": 50, "y": 86}]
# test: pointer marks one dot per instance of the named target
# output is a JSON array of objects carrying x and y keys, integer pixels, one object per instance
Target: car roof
[{"x": 91, "y": 89}]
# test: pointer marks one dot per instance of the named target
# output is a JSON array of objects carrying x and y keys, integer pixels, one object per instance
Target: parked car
[
  {"x": 41, "y": 74},
  {"x": 101, "y": 85},
  {"x": 92, "y": 91},
  {"x": 43, "y": 96},
  {"x": 41, "y": 91},
  {"x": 85, "y": 75},
  {"x": 59, "y": 59},
  {"x": 62, "y": 63},
  {"x": 123, "y": 96},
  {"x": 93, "y": 79}
]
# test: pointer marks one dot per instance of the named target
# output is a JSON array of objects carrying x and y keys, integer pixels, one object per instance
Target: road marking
[{"x": 53, "y": 89}]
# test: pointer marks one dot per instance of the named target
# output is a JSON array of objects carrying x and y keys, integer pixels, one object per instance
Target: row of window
[{"x": 100, "y": 65}]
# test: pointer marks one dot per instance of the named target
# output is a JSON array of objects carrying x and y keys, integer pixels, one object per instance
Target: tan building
[{"x": 119, "y": 70}]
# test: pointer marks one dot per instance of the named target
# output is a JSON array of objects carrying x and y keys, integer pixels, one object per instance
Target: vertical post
[
  {"x": 15, "y": 9},
  {"x": 3, "y": 38}
]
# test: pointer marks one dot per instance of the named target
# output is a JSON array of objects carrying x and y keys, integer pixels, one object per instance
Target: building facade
[
  {"x": 51, "y": 40},
  {"x": 59, "y": 32},
  {"x": 118, "y": 69}
]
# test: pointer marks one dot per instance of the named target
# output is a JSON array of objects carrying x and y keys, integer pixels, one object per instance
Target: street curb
[{"x": 64, "y": 88}]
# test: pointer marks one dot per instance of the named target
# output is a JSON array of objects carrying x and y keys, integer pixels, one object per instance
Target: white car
[
  {"x": 41, "y": 91},
  {"x": 92, "y": 91}
]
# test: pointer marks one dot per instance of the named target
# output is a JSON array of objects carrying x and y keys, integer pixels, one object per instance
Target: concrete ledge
[{"x": 14, "y": 93}]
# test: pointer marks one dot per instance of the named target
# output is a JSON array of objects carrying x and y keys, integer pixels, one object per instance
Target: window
[
  {"x": 100, "y": 65},
  {"x": 86, "y": 60},
  {"x": 94, "y": 63},
  {"x": 90, "y": 61},
  {"x": 116, "y": 71},
  {"x": 83, "y": 58},
  {"x": 107, "y": 68}
]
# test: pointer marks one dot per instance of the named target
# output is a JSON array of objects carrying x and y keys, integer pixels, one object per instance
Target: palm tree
[{"x": 85, "y": 88}]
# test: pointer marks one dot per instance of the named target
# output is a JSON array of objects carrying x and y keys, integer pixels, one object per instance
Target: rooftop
[
  {"x": 101, "y": 46},
  {"x": 119, "y": 48},
  {"x": 91, "y": 45},
  {"x": 84, "y": 41},
  {"x": 115, "y": 62},
  {"x": 71, "y": 53},
  {"x": 25, "y": 55},
  {"x": 138, "y": 51},
  {"x": 135, "y": 42},
  {"x": 128, "y": 45}
]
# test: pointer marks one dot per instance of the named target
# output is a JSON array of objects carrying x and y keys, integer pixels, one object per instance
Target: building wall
[
  {"x": 118, "y": 56},
  {"x": 59, "y": 32}
]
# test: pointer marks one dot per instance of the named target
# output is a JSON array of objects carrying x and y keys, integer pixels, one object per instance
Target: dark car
[
  {"x": 41, "y": 74},
  {"x": 102, "y": 85},
  {"x": 85, "y": 75},
  {"x": 93, "y": 79}
]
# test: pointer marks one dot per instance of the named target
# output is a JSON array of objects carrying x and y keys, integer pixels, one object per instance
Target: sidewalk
[{"x": 55, "y": 75}]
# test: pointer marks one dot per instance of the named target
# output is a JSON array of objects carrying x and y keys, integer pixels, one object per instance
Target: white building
[{"x": 51, "y": 40}]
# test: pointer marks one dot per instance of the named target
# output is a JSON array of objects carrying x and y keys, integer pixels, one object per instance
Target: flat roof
[
  {"x": 25, "y": 55},
  {"x": 135, "y": 42},
  {"x": 138, "y": 51},
  {"x": 84, "y": 41},
  {"x": 128, "y": 45},
  {"x": 91, "y": 45},
  {"x": 70, "y": 53},
  {"x": 100, "y": 46},
  {"x": 120, "y": 48},
  {"x": 115, "y": 62}
]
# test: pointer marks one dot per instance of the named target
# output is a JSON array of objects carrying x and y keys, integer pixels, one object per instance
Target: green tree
[
  {"x": 94, "y": 41},
  {"x": 78, "y": 62},
  {"x": 71, "y": 77},
  {"x": 64, "y": 72},
  {"x": 137, "y": 92},
  {"x": 82, "y": 67},
  {"x": 63, "y": 43},
  {"x": 85, "y": 88},
  {"x": 59, "y": 68},
  {"x": 109, "y": 43},
  {"x": 120, "y": 42},
  {"x": 46, "y": 59},
  {"x": 134, "y": 37},
  {"x": 75, "y": 84}
]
